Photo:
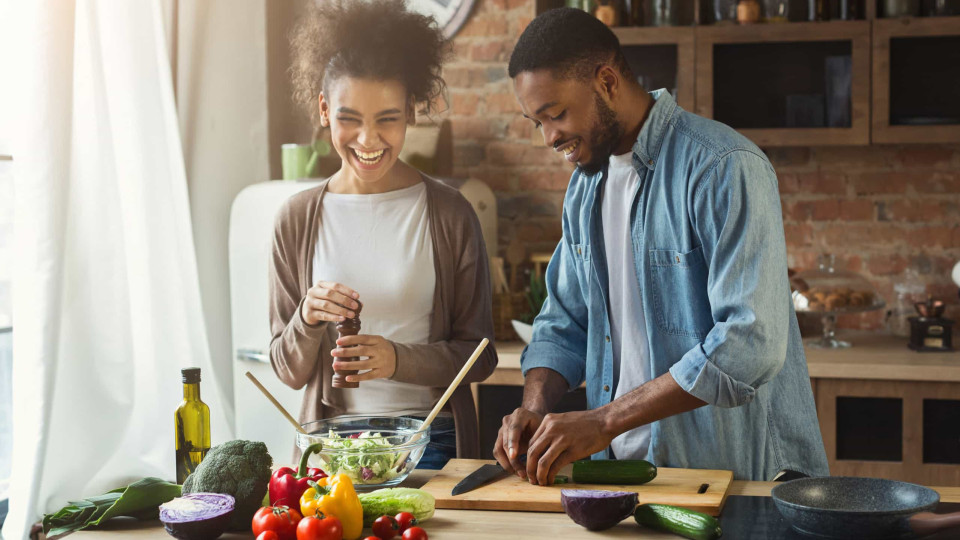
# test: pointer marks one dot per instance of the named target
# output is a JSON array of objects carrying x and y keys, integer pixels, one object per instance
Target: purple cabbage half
[
  {"x": 597, "y": 509},
  {"x": 197, "y": 516}
]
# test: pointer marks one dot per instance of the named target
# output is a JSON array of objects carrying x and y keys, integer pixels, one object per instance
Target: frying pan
[{"x": 868, "y": 508}]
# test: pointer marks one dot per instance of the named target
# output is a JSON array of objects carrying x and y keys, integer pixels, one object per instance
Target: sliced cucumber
[
  {"x": 626, "y": 472},
  {"x": 674, "y": 519}
]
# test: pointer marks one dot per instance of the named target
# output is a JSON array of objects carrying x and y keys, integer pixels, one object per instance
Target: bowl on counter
[
  {"x": 524, "y": 330},
  {"x": 374, "y": 451}
]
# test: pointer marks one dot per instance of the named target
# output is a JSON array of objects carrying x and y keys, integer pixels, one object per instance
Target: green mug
[{"x": 300, "y": 160}]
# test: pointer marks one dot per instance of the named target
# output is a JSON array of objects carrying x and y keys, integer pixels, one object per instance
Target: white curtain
[{"x": 106, "y": 302}]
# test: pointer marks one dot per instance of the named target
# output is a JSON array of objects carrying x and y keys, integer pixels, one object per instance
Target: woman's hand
[
  {"x": 381, "y": 357},
  {"x": 329, "y": 301}
]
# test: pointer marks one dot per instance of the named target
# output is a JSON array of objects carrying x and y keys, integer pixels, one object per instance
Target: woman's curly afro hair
[{"x": 373, "y": 39}]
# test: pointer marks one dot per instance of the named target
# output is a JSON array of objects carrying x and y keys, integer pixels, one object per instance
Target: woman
[{"x": 378, "y": 232}]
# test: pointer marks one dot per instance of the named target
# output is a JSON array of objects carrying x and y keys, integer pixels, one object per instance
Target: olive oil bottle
[{"x": 192, "y": 426}]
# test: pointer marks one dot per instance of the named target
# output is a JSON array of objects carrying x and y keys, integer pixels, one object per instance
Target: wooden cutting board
[{"x": 678, "y": 487}]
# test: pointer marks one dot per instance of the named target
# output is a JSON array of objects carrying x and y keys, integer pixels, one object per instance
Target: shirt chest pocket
[
  {"x": 580, "y": 253},
  {"x": 679, "y": 287}
]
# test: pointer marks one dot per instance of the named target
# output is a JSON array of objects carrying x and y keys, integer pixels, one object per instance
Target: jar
[
  {"x": 748, "y": 12},
  {"x": 901, "y": 8},
  {"x": 776, "y": 11},
  {"x": 664, "y": 13},
  {"x": 724, "y": 11}
]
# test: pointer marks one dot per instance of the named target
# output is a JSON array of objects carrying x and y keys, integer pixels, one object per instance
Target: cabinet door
[
  {"x": 796, "y": 84},
  {"x": 915, "y": 80},
  {"x": 900, "y": 430}
]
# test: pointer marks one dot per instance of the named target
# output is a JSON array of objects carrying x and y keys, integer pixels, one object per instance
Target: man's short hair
[{"x": 569, "y": 42}]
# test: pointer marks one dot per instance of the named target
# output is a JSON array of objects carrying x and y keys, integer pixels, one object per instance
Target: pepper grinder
[{"x": 347, "y": 327}]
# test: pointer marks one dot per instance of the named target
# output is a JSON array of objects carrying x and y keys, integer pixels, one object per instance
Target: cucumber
[
  {"x": 676, "y": 520},
  {"x": 625, "y": 472}
]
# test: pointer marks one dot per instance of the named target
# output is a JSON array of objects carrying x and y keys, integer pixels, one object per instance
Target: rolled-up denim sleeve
[
  {"x": 737, "y": 217},
  {"x": 560, "y": 330}
]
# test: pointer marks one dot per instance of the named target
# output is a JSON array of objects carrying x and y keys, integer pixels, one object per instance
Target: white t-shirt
[
  {"x": 380, "y": 246},
  {"x": 628, "y": 334}
]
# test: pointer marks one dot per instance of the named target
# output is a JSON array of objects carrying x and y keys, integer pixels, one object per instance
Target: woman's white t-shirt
[{"x": 380, "y": 246}]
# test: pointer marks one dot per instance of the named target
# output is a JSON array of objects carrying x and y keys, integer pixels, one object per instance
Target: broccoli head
[{"x": 238, "y": 468}]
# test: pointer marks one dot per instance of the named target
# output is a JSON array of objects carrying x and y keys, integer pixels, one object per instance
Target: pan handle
[{"x": 926, "y": 523}]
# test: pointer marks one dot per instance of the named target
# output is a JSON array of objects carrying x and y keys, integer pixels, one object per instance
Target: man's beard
[{"x": 604, "y": 137}]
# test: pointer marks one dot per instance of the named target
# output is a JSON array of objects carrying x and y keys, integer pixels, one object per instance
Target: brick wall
[{"x": 880, "y": 209}]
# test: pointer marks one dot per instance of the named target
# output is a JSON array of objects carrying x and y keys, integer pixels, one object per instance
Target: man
[{"x": 668, "y": 292}]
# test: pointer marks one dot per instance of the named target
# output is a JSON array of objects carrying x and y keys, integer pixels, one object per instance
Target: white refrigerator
[{"x": 250, "y": 244}]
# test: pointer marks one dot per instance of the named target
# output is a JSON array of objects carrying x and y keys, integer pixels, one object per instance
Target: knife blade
[{"x": 485, "y": 474}]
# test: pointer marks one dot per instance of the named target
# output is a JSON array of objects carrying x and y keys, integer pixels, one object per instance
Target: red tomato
[
  {"x": 281, "y": 520},
  {"x": 320, "y": 528},
  {"x": 414, "y": 533},
  {"x": 268, "y": 535},
  {"x": 371, "y": 538},
  {"x": 405, "y": 520},
  {"x": 385, "y": 527}
]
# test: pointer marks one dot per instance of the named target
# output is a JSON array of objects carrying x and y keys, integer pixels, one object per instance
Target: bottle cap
[{"x": 190, "y": 375}]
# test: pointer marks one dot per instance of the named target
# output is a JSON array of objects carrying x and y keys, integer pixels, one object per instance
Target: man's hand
[
  {"x": 512, "y": 439},
  {"x": 562, "y": 439},
  {"x": 381, "y": 357}
]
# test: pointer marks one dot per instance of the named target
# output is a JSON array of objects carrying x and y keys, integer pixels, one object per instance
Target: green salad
[{"x": 366, "y": 459}]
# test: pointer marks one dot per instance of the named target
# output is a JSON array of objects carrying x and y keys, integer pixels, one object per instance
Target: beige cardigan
[{"x": 462, "y": 316}]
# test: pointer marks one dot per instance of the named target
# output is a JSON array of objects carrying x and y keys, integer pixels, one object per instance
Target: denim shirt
[{"x": 710, "y": 258}]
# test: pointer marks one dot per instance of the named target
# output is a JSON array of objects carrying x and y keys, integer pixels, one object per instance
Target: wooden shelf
[
  {"x": 682, "y": 37},
  {"x": 883, "y": 31},
  {"x": 857, "y": 33}
]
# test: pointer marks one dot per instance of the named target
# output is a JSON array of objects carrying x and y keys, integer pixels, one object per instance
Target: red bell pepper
[{"x": 288, "y": 485}]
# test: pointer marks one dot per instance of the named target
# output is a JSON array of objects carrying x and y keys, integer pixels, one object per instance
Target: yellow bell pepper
[{"x": 335, "y": 496}]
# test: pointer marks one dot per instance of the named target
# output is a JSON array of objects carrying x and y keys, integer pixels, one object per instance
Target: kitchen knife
[{"x": 479, "y": 477}]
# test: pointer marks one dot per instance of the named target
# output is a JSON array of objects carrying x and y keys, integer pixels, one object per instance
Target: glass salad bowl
[
  {"x": 829, "y": 292},
  {"x": 374, "y": 451}
]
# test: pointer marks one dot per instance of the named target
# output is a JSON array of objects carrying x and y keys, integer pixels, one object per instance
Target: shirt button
[
  {"x": 606, "y": 388},
  {"x": 649, "y": 162},
  {"x": 608, "y": 339},
  {"x": 579, "y": 251},
  {"x": 678, "y": 258}
]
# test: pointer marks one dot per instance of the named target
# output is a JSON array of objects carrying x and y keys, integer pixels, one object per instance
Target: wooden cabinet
[
  {"x": 783, "y": 84},
  {"x": 915, "y": 80},
  {"x": 837, "y": 82},
  {"x": 662, "y": 58}
]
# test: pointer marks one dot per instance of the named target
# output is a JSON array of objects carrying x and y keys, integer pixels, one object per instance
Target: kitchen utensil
[
  {"x": 499, "y": 276},
  {"x": 369, "y": 464},
  {"x": 276, "y": 403},
  {"x": 516, "y": 254},
  {"x": 931, "y": 308},
  {"x": 449, "y": 392},
  {"x": 867, "y": 508},
  {"x": 702, "y": 490},
  {"x": 486, "y": 473},
  {"x": 930, "y": 332}
]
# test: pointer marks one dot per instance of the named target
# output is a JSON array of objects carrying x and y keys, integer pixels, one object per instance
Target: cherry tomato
[
  {"x": 414, "y": 533},
  {"x": 268, "y": 535},
  {"x": 405, "y": 520},
  {"x": 281, "y": 520},
  {"x": 320, "y": 528},
  {"x": 371, "y": 538},
  {"x": 385, "y": 527}
]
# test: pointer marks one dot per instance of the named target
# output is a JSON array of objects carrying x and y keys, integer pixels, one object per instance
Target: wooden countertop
[
  {"x": 872, "y": 356},
  {"x": 472, "y": 523}
]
